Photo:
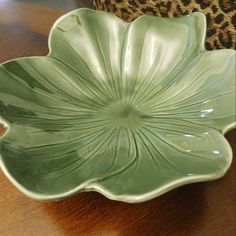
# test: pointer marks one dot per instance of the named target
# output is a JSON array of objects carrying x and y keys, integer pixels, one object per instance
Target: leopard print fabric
[{"x": 220, "y": 14}]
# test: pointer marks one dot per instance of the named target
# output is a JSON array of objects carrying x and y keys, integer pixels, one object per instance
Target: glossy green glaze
[{"x": 128, "y": 110}]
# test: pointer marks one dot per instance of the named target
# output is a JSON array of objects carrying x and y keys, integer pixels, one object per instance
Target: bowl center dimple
[
  {"x": 127, "y": 111},
  {"x": 124, "y": 115}
]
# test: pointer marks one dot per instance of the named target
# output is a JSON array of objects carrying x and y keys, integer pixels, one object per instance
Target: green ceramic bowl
[{"x": 130, "y": 110}]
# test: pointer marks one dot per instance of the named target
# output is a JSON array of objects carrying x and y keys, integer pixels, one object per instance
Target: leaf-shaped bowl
[{"x": 131, "y": 110}]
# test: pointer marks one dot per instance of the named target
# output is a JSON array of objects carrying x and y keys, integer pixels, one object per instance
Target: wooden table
[{"x": 203, "y": 209}]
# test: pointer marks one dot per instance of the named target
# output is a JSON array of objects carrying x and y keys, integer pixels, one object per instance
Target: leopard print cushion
[{"x": 221, "y": 15}]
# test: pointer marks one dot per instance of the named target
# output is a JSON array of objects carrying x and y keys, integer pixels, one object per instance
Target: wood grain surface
[{"x": 203, "y": 209}]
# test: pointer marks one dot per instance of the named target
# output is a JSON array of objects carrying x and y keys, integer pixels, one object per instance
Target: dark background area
[{"x": 60, "y": 4}]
